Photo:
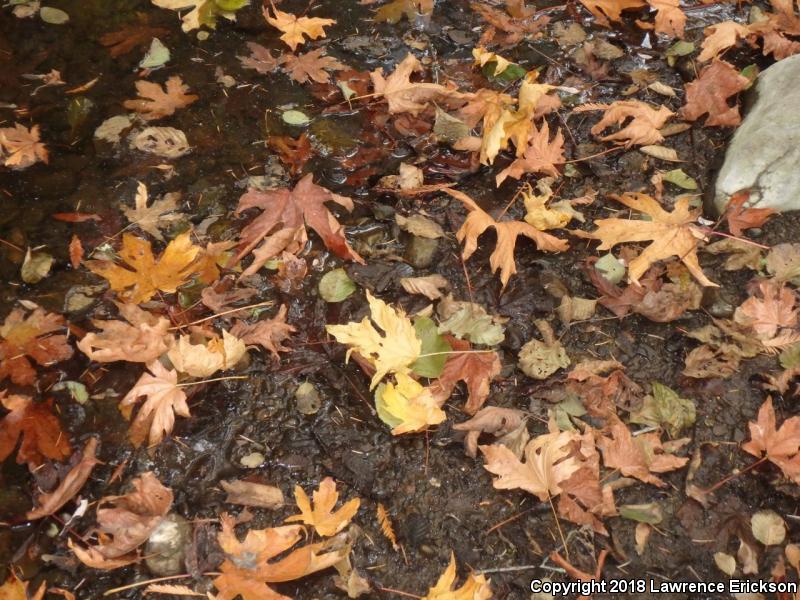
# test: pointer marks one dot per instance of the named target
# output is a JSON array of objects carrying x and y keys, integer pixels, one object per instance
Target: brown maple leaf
[
  {"x": 24, "y": 337},
  {"x": 476, "y": 369},
  {"x": 124, "y": 40},
  {"x": 312, "y": 65},
  {"x": 394, "y": 11},
  {"x": 260, "y": 59},
  {"x": 603, "y": 10},
  {"x": 293, "y": 153},
  {"x": 771, "y": 309},
  {"x": 670, "y": 19},
  {"x": 72, "y": 483},
  {"x": 515, "y": 27},
  {"x": 602, "y": 394},
  {"x": 402, "y": 95},
  {"x": 541, "y": 155},
  {"x": 164, "y": 400},
  {"x": 502, "y": 258},
  {"x": 493, "y": 420},
  {"x": 281, "y": 225},
  {"x": 20, "y": 147},
  {"x": 249, "y": 565},
  {"x": 295, "y": 29},
  {"x": 126, "y": 522},
  {"x": 37, "y": 426},
  {"x": 643, "y": 128},
  {"x": 740, "y": 218},
  {"x": 639, "y": 456},
  {"x": 143, "y": 338},
  {"x": 160, "y": 214},
  {"x": 268, "y": 334},
  {"x": 156, "y": 103},
  {"x": 671, "y": 233},
  {"x": 547, "y": 464},
  {"x": 709, "y": 93},
  {"x": 781, "y": 446},
  {"x": 720, "y": 37}
]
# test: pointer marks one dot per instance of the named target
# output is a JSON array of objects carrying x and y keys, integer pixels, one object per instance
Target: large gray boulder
[{"x": 764, "y": 154}]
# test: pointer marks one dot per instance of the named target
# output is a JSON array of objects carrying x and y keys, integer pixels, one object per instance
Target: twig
[
  {"x": 398, "y": 592},
  {"x": 511, "y": 519},
  {"x": 223, "y": 313}
]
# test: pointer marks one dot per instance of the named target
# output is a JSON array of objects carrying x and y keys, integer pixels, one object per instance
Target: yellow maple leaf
[
  {"x": 203, "y": 360},
  {"x": 407, "y": 407},
  {"x": 391, "y": 352},
  {"x": 321, "y": 516},
  {"x": 483, "y": 56},
  {"x": 294, "y": 27},
  {"x": 146, "y": 276},
  {"x": 476, "y": 587},
  {"x": 672, "y": 234}
]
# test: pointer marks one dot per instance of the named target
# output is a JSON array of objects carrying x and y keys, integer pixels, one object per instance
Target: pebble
[{"x": 166, "y": 547}]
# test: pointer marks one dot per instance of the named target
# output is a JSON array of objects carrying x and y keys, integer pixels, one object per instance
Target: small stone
[
  {"x": 420, "y": 251},
  {"x": 307, "y": 398},
  {"x": 252, "y": 460},
  {"x": 166, "y": 547}
]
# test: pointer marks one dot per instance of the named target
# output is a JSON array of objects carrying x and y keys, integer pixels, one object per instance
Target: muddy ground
[{"x": 438, "y": 498}]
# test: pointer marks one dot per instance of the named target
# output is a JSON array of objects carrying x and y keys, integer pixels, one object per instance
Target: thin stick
[
  {"x": 398, "y": 592},
  {"x": 131, "y": 586},
  {"x": 577, "y": 160},
  {"x": 223, "y": 313},
  {"x": 725, "y": 480},
  {"x": 511, "y": 519},
  {"x": 450, "y": 352},
  {"x": 10, "y": 245},
  {"x": 506, "y": 569},
  {"x": 558, "y": 525},
  {"x": 212, "y": 380},
  {"x": 741, "y": 239}
]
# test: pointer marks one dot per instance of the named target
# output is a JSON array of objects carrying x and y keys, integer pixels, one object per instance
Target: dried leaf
[
  {"x": 781, "y": 446},
  {"x": 155, "y": 217},
  {"x": 541, "y": 155},
  {"x": 476, "y": 587},
  {"x": 157, "y": 103},
  {"x": 322, "y": 517},
  {"x": 539, "y": 359},
  {"x": 75, "y": 252},
  {"x": 248, "y": 493},
  {"x": 665, "y": 408},
  {"x": 429, "y": 286},
  {"x": 401, "y": 94},
  {"x": 740, "y": 218},
  {"x": 772, "y": 308},
  {"x": 643, "y": 128},
  {"x": 407, "y": 407},
  {"x": 492, "y": 419},
  {"x": 710, "y": 92},
  {"x": 768, "y": 527},
  {"x": 203, "y": 360},
  {"x": 603, "y": 10},
  {"x": 470, "y": 321},
  {"x": 721, "y": 36},
  {"x": 386, "y": 525},
  {"x": 143, "y": 338}
]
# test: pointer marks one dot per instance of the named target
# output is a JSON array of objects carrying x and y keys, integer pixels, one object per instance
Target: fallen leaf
[
  {"x": 260, "y": 59},
  {"x": 541, "y": 155},
  {"x": 771, "y": 309},
  {"x": 429, "y": 286},
  {"x": 131, "y": 36},
  {"x": 312, "y": 65},
  {"x": 38, "y": 428},
  {"x": 143, "y": 338},
  {"x": 407, "y": 407},
  {"x": 539, "y": 359},
  {"x": 781, "y": 446},
  {"x": 475, "y": 368},
  {"x": 670, "y": 19},
  {"x": 603, "y": 394},
  {"x": 725, "y": 563},
  {"x": 322, "y": 517},
  {"x": 710, "y": 92},
  {"x": 203, "y": 12},
  {"x": 401, "y": 94},
  {"x": 546, "y": 466},
  {"x": 295, "y": 29},
  {"x": 768, "y": 527},
  {"x": 249, "y": 493},
  {"x": 721, "y": 36},
  {"x": 75, "y": 251},
  {"x": 603, "y": 10},
  {"x": 20, "y": 147},
  {"x": 163, "y": 400},
  {"x": 70, "y": 485},
  {"x": 156, "y": 103},
  {"x": 126, "y": 522},
  {"x": 166, "y": 142},
  {"x": 470, "y": 321},
  {"x": 281, "y": 225},
  {"x": 476, "y": 587},
  {"x": 23, "y": 339},
  {"x": 740, "y": 218},
  {"x": 391, "y": 352},
  {"x": 515, "y": 28},
  {"x": 665, "y": 408},
  {"x": 672, "y": 234},
  {"x": 643, "y": 128},
  {"x": 394, "y": 11},
  {"x": 293, "y": 153},
  {"x": 155, "y": 217},
  {"x": 491, "y": 419},
  {"x": 502, "y": 258},
  {"x": 203, "y": 360},
  {"x": 148, "y": 276},
  {"x": 269, "y": 333}
]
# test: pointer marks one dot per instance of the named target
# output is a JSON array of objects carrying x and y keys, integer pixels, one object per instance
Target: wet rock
[
  {"x": 166, "y": 547},
  {"x": 420, "y": 251},
  {"x": 765, "y": 150}
]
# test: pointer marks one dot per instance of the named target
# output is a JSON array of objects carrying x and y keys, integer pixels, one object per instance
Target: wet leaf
[
  {"x": 307, "y": 398},
  {"x": 156, "y": 56},
  {"x": 493, "y": 420},
  {"x": 401, "y": 94},
  {"x": 154, "y": 217},
  {"x": 156, "y": 103},
  {"x": 407, "y": 407},
  {"x": 260, "y": 59},
  {"x": 772, "y": 308},
  {"x": 53, "y": 16},
  {"x": 167, "y": 142},
  {"x": 475, "y": 368},
  {"x": 20, "y": 147},
  {"x": 295, "y": 29},
  {"x": 23, "y": 339},
  {"x": 781, "y": 446},
  {"x": 664, "y": 408},
  {"x": 681, "y": 179},
  {"x": 38, "y": 428},
  {"x": 429, "y": 286},
  {"x": 470, "y": 321},
  {"x": 725, "y": 563},
  {"x": 36, "y": 266},
  {"x": 740, "y": 217},
  {"x": 143, "y": 338},
  {"x": 336, "y": 286},
  {"x": 539, "y": 359},
  {"x": 649, "y": 513},
  {"x": 433, "y": 345},
  {"x": 319, "y": 512},
  {"x": 476, "y": 587},
  {"x": 311, "y": 66},
  {"x": 643, "y": 128},
  {"x": 709, "y": 93},
  {"x": 203, "y": 360},
  {"x": 605, "y": 10},
  {"x": 721, "y": 36},
  {"x": 768, "y": 527},
  {"x": 421, "y": 226},
  {"x": 248, "y": 493},
  {"x": 268, "y": 333}
]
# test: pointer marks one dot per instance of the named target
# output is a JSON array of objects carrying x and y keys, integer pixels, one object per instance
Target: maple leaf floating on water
[
  {"x": 147, "y": 276},
  {"x": 20, "y": 147},
  {"x": 672, "y": 234},
  {"x": 476, "y": 587},
  {"x": 502, "y": 258},
  {"x": 321, "y": 516},
  {"x": 281, "y": 225},
  {"x": 248, "y": 565},
  {"x": 642, "y": 130},
  {"x": 126, "y": 522},
  {"x": 312, "y": 65},
  {"x": 394, "y": 11},
  {"x": 156, "y": 103},
  {"x": 295, "y": 29},
  {"x": 39, "y": 428},
  {"x": 407, "y": 407},
  {"x": 393, "y": 351},
  {"x": 203, "y": 360},
  {"x": 780, "y": 445},
  {"x": 402, "y": 95},
  {"x": 24, "y": 337},
  {"x": 709, "y": 93},
  {"x": 203, "y": 12},
  {"x": 164, "y": 399},
  {"x": 260, "y": 59},
  {"x": 143, "y": 338},
  {"x": 154, "y": 217}
]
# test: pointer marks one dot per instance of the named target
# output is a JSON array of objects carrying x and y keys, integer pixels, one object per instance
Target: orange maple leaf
[
  {"x": 643, "y": 129},
  {"x": 770, "y": 310},
  {"x": 401, "y": 94},
  {"x": 476, "y": 369},
  {"x": 781, "y": 446},
  {"x": 603, "y": 10},
  {"x": 670, "y": 19},
  {"x": 294, "y": 28},
  {"x": 312, "y": 65},
  {"x": 269, "y": 334},
  {"x": 709, "y": 93},
  {"x": 502, "y": 258},
  {"x": 22, "y": 337},
  {"x": 541, "y": 155},
  {"x": 281, "y": 225},
  {"x": 21, "y": 147},
  {"x": 147, "y": 276},
  {"x": 720, "y": 37},
  {"x": 320, "y": 515},
  {"x": 671, "y": 233},
  {"x": 156, "y": 103},
  {"x": 740, "y": 218},
  {"x": 39, "y": 428}
]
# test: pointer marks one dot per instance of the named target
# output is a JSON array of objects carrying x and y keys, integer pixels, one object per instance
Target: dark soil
[{"x": 439, "y": 499}]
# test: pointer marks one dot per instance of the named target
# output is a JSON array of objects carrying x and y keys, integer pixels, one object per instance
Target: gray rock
[
  {"x": 166, "y": 547},
  {"x": 764, "y": 153}
]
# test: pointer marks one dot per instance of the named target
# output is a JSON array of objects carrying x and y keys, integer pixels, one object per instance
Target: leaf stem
[
  {"x": 223, "y": 313},
  {"x": 212, "y": 380}
]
